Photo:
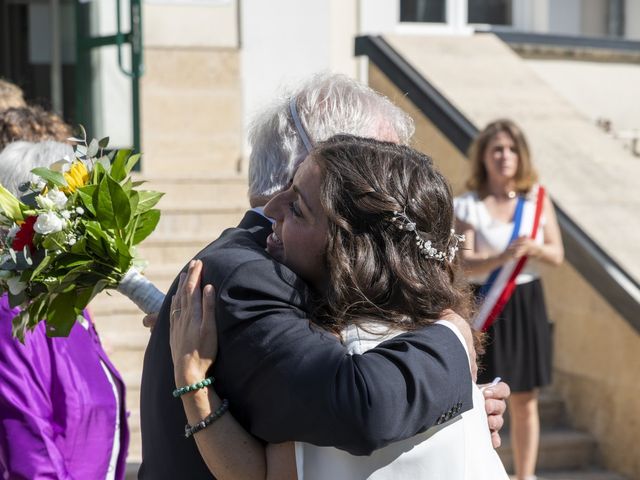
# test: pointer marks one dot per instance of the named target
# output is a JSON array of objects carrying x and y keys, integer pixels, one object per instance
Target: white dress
[{"x": 456, "y": 450}]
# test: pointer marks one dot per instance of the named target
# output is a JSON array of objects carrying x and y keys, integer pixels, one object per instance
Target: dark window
[
  {"x": 432, "y": 11},
  {"x": 493, "y": 12},
  {"x": 27, "y": 64}
]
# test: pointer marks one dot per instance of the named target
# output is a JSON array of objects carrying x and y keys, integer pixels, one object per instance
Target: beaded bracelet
[
  {"x": 178, "y": 392},
  {"x": 208, "y": 420}
]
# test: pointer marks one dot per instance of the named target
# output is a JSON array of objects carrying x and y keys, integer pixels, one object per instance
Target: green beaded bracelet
[
  {"x": 208, "y": 420},
  {"x": 178, "y": 392}
]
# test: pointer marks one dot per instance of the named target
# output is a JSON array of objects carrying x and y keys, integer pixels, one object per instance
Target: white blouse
[{"x": 492, "y": 236}]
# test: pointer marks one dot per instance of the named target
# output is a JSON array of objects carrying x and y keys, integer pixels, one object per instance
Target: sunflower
[{"x": 76, "y": 177}]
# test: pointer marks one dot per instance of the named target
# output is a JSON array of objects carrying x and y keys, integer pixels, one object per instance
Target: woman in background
[{"x": 497, "y": 216}]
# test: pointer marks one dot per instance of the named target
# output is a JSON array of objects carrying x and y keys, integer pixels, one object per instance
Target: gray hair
[
  {"x": 19, "y": 158},
  {"x": 327, "y": 104}
]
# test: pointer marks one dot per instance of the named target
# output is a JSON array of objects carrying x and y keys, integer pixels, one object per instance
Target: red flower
[{"x": 25, "y": 235}]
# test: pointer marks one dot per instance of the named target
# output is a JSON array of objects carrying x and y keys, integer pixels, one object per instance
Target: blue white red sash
[{"x": 501, "y": 283}]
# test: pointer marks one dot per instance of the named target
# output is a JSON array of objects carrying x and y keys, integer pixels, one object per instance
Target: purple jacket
[{"x": 57, "y": 407}]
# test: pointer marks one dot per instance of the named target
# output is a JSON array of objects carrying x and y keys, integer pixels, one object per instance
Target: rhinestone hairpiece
[{"x": 402, "y": 222}]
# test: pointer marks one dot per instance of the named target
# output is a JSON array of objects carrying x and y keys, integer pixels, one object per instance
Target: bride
[{"x": 368, "y": 225}]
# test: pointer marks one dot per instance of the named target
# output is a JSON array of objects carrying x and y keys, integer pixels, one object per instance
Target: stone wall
[
  {"x": 191, "y": 112},
  {"x": 191, "y": 93}
]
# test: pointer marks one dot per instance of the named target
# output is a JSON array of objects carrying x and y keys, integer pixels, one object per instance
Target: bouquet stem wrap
[{"x": 141, "y": 291}]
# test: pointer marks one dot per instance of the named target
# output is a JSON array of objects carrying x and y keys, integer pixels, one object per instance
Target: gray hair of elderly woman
[
  {"x": 327, "y": 104},
  {"x": 19, "y": 158}
]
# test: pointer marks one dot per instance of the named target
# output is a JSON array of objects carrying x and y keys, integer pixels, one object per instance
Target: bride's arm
[{"x": 229, "y": 451}]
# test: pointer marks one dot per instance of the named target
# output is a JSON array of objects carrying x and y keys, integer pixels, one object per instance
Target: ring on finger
[{"x": 175, "y": 310}]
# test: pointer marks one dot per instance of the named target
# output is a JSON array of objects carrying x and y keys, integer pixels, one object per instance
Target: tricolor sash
[{"x": 498, "y": 289}]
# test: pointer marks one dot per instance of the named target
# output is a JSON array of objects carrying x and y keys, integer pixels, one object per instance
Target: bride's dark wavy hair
[{"x": 376, "y": 270}]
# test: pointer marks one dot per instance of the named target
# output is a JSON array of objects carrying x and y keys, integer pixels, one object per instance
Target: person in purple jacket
[{"x": 62, "y": 401}]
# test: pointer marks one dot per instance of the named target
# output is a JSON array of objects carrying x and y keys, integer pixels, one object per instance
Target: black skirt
[{"x": 518, "y": 344}]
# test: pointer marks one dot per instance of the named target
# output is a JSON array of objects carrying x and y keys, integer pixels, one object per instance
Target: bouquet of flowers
[{"x": 73, "y": 234}]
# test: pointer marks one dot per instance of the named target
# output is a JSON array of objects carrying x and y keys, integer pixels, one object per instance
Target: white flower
[
  {"x": 71, "y": 240},
  {"x": 79, "y": 210},
  {"x": 44, "y": 202},
  {"x": 58, "y": 198},
  {"x": 53, "y": 200},
  {"x": 48, "y": 222},
  {"x": 15, "y": 285},
  {"x": 66, "y": 214}
]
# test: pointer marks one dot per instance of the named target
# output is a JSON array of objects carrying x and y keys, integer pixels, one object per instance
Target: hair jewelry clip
[
  {"x": 402, "y": 221},
  {"x": 453, "y": 249}
]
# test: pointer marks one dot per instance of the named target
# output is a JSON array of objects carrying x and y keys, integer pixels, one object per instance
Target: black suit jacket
[{"x": 286, "y": 380}]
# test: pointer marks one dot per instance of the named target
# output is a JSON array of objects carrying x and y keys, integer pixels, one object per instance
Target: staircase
[
  {"x": 565, "y": 453},
  {"x": 194, "y": 212}
]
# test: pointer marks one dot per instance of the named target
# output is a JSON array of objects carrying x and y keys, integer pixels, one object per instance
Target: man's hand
[
  {"x": 465, "y": 329},
  {"x": 495, "y": 404},
  {"x": 150, "y": 320}
]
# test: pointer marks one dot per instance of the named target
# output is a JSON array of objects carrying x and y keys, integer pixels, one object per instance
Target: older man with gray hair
[{"x": 285, "y": 380}]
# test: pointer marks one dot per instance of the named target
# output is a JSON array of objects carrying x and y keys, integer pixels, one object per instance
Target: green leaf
[
  {"x": 97, "y": 173},
  {"x": 104, "y": 142},
  {"x": 70, "y": 261},
  {"x": 55, "y": 241},
  {"x": 98, "y": 287},
  {"x": 147, "y": 222},
  {"x": 96, "y": 240},
  {"x": 147, "y": 200},
  {"x": 43, "y": 264},
  {"x": 131, "y": 162},
  {"x": 80, "y": 247},
  {"x": 134, "y": 199},
  {"x": 62, "y": 314},
  {"x": 10, "y": 205},
  {"x": 127, "y": 185},
  {"x": 124, "y": 255},
  {"x": 113, "y": 209},
  {"x": 118, "y": 171},
  {"x": 93, "y": 148},
  {"x": 84, "y": 296},
  {"x": 50, "y": 176},
  {"x": 105, "y": 162},
  {"x": 86, "y": 195}
]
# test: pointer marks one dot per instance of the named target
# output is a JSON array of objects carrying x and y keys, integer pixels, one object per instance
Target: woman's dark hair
[
  {"x": 526, "y": 175},
  {"x": 376, "y": 269}
]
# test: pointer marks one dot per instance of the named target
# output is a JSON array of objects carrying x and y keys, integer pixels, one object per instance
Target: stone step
[
  {"x": 560, "y": 449},
  {"x": 194, "y": 192},
  {"x": 171, "y": 251},
  {"x": 183, "y": 223},
  {"x": 551, "y": 410}
]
